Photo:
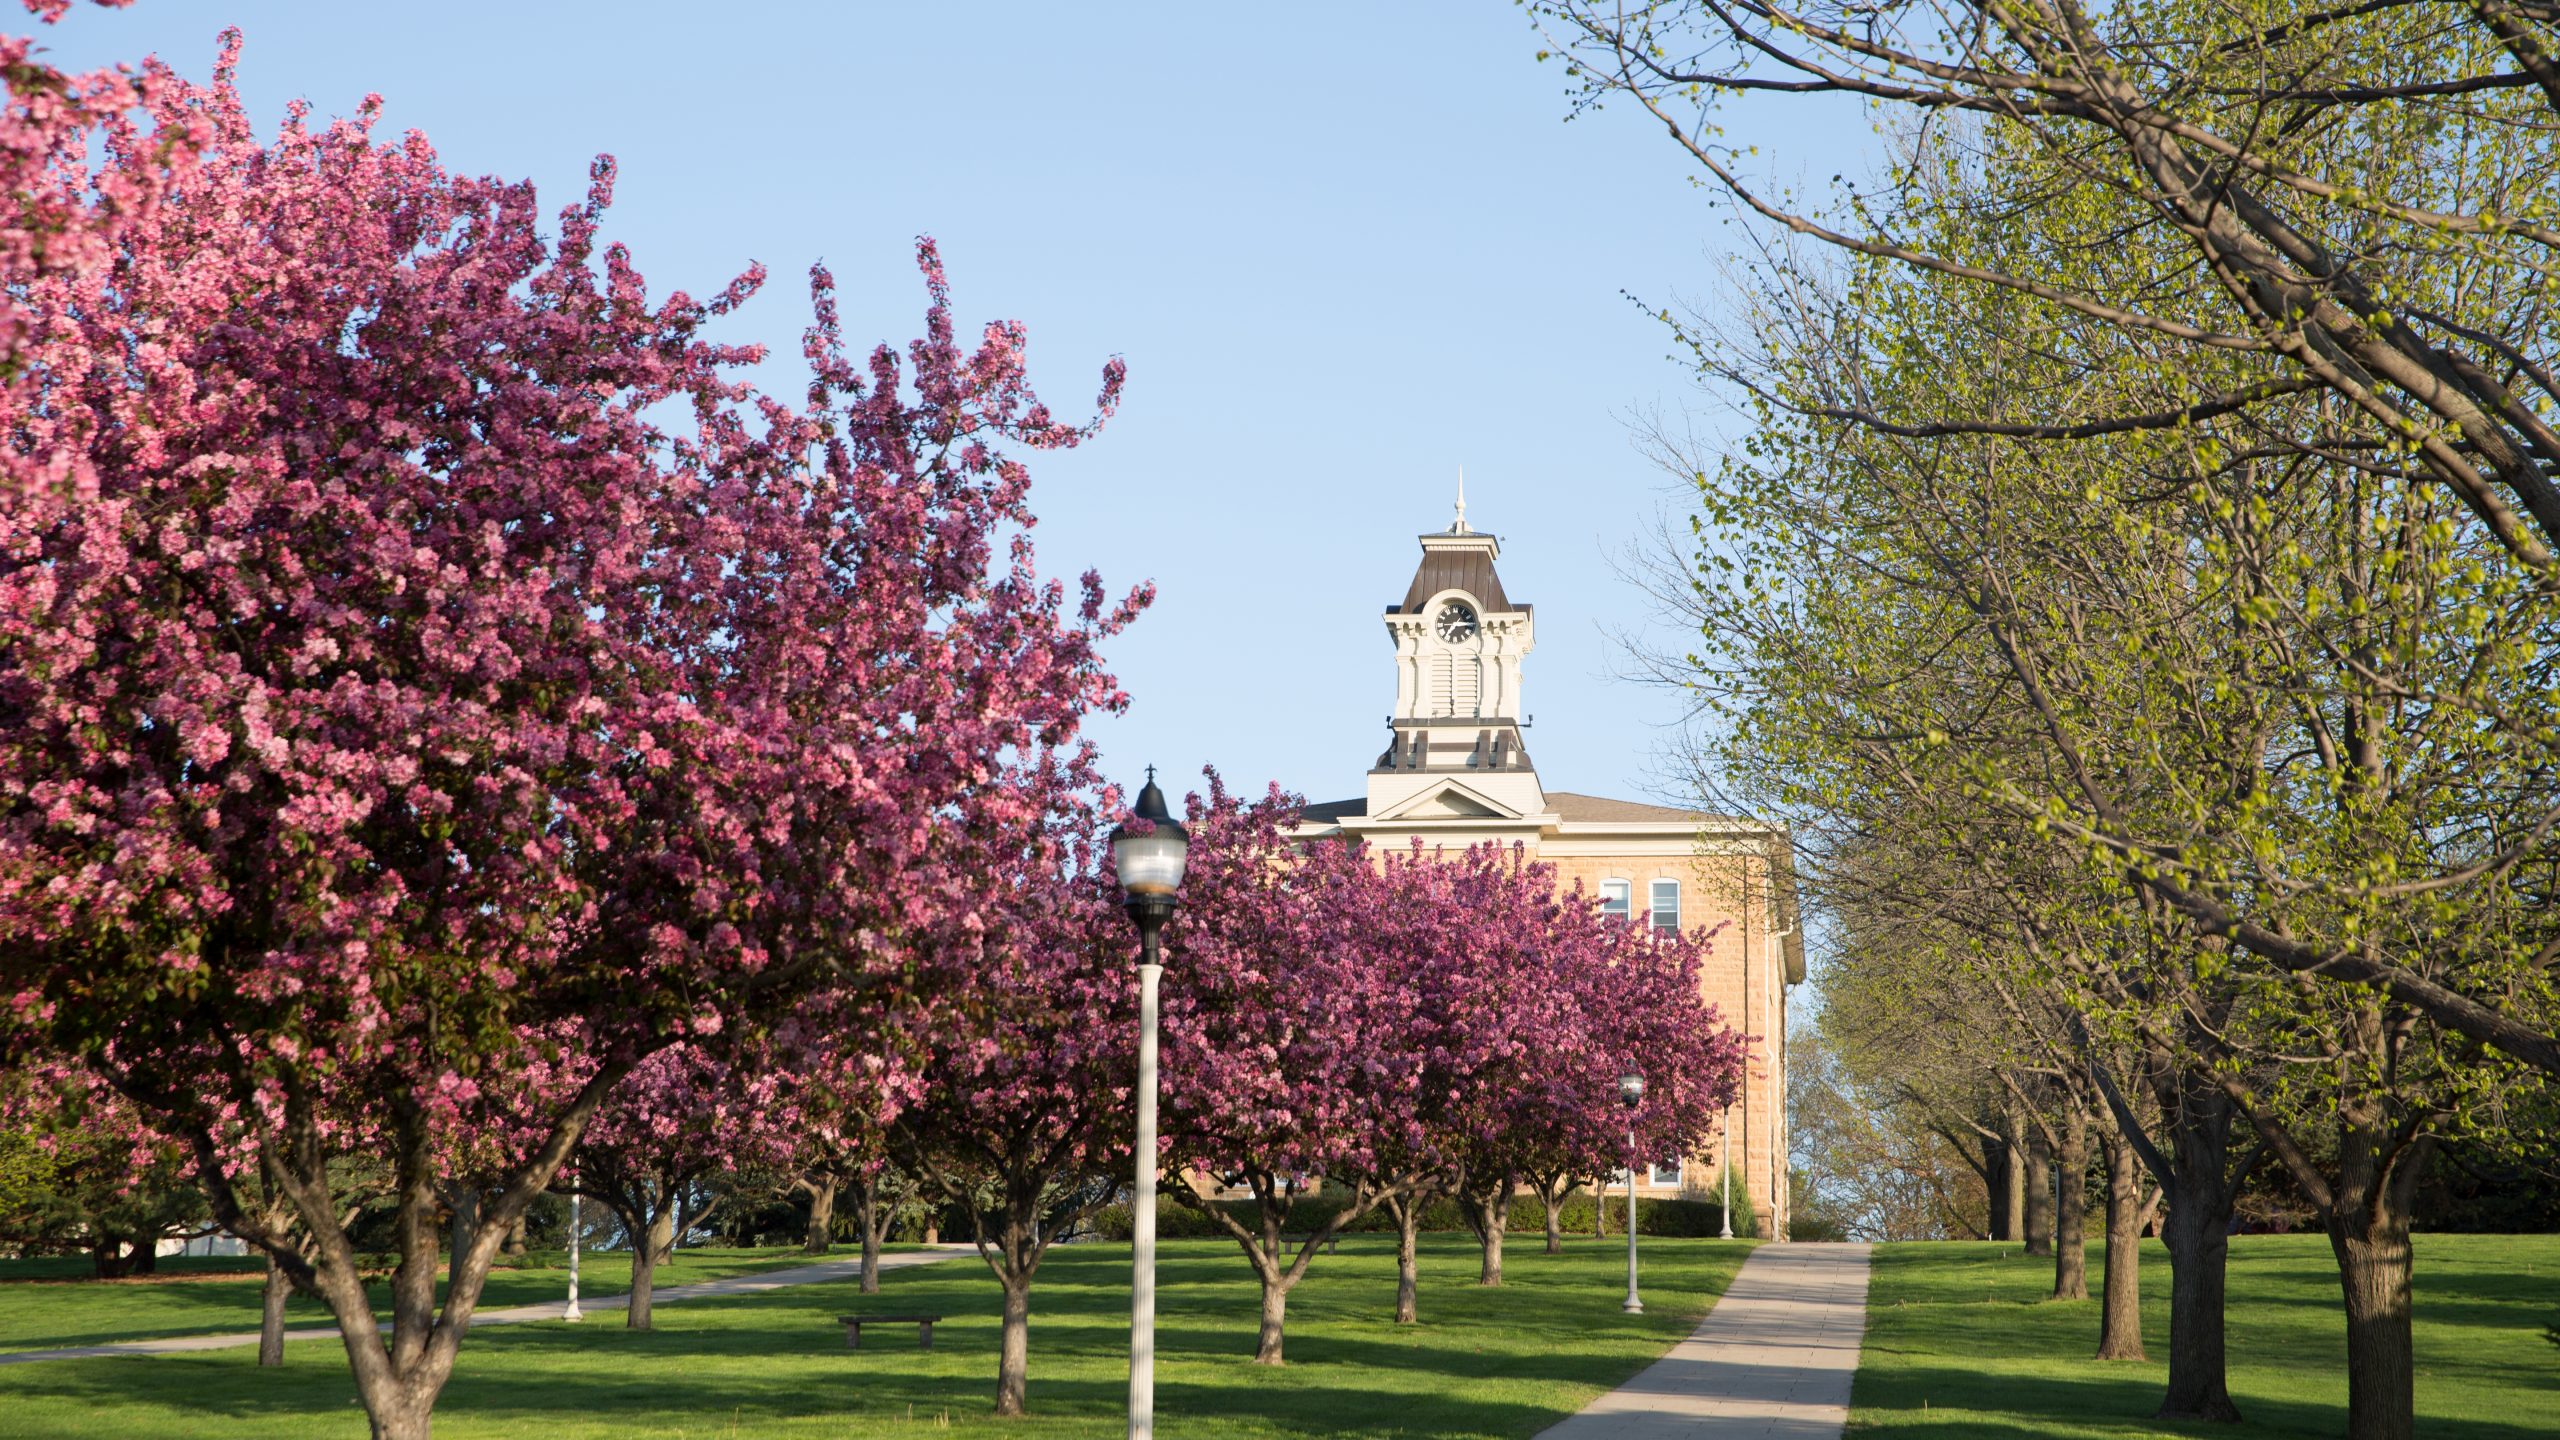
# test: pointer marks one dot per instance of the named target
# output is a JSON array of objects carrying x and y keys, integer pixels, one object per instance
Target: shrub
[{"x": 1684, "y": 1217}]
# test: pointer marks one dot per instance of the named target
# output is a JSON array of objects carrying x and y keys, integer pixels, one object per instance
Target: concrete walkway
[
  {"x": 812, "y": 1274},
  {"x": 1772, "y": 1361}
]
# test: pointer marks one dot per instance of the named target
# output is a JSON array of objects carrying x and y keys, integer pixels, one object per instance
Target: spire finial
[
  {"x": 1151, "y": 774},
  {"x": 1459, "y": 525}
]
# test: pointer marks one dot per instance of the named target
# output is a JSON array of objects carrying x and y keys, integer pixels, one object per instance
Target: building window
[
  {"x": 1617, "y": 898},
  {"x": 1665, "y": 1172},
  {"x": 1666, "y": 906}
]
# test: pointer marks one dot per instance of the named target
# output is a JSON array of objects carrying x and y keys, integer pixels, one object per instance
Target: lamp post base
[{"x": 1633, "y": 1306}]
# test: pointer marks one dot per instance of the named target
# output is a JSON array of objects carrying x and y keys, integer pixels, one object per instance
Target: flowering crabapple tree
[
  {"x": 882, "y": 1191},
  {"x": 1025, "y": 1117},
  {"x": 685, "y": 1113},
  {"x": 1526, "y": 947},
  {"x": 1432, "y": 935},
  {"x": 1526, "y": 985},
  {"x": 389, "y": 699},
  {"x": 1651, "y": 1016},
  {"x": 1294, "y": 1036},
  {"x": 845, "y": 1100},
  {"x": 847, "y": 1076},
  {"x": 1601, "y": 997}
]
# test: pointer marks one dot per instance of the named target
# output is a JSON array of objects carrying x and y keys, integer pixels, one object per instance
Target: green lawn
[
  {"x": 222, "y": 1295},
  {"x": 1485, "y": 1362},
  {"x": 1960, "y": 1343}
]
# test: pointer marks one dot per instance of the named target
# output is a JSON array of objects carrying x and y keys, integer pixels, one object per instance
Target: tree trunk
[
  {"x": 2368, "y": 1224},
  {"x": 2071, "y": 1207},
  {"x": 146, "y": 1253},
  {"x": 1408, "y": 1217},
  {"x": 933, "y": 1231},
  {"x": 2120, "y": 1316},
  {"x": 867, "y": 1212},
  {"x": 1013, "y": 1355},
  {"x": 1554, "y": 1199},
  {"x": 396, "y": 1383},
  {"x": 271, "y": 1314},
  {"x": 649, "y": 1244},
  {"x": 1275, "y": 1310},
  {"x": 2198, "y": 1248},
  {"x": 2009, "y": 1210},
  {"x": 466, "y": 1220},
  {"x": 515, "y": 1237},
  {"x": 407, "y": 1419},
  {"x": 1600, "y": 1209},
  {"x": 822, "y": 1218},
  {"x": 2039, "y": 1182},
  {"x": 1489, "y": 1214}
]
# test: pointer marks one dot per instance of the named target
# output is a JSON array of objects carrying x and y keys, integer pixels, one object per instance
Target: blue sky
[{"x": 1345, "y": 249}]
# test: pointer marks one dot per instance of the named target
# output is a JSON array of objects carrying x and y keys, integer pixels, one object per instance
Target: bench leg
[
  {"x": 924, "y": 1335},
  {"x": 853, "y": 1337}
]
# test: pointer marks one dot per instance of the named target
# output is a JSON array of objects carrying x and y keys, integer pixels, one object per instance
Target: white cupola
[{"x": 1457, "y": 724}]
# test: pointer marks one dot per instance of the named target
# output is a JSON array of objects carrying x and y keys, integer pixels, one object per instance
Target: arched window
[
  {"x": 1617, "y": 899},
  {"x": 1666, "y": 906}
]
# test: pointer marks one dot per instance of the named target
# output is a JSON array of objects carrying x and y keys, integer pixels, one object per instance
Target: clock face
[{"x": 1457, "y": 622}]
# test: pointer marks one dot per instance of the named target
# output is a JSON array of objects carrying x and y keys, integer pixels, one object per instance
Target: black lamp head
[{"x": 1151, "y": 862}]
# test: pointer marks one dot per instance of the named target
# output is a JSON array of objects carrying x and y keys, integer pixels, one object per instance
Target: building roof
[
  {"x": 1564, "y": 804},
  {"x": 1569, "y": 806},
  {"x": 1468, "y": 568}
]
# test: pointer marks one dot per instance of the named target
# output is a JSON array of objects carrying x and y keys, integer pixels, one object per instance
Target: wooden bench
[{"x": 853, "y": 1327}]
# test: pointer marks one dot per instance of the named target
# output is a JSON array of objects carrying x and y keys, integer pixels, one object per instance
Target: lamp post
[
  {"x": 1631, "y": 1095},
  {"x": 1149, "y": 859},
  {"x": 573, "y": 1312},
  {"x": 1724, "y": 1162}
]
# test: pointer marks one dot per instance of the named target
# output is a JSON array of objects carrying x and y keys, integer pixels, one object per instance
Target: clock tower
[
  {"x": 1456, "y": 730},
  {"x": 1456, "y": 774}
]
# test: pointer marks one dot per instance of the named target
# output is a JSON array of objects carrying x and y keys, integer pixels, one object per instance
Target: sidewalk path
[
  {"x": 823, "y": 1270},
  {"x": 1772, "y": 1360}
]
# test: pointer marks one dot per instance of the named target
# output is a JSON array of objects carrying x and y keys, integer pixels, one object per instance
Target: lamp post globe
[
  {"x": 1148, "y": 851},
  {"x": 1631, "y": 1095}
]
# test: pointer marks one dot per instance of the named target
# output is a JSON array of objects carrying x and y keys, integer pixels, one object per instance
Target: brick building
[{"x": 1457, "y": 772}]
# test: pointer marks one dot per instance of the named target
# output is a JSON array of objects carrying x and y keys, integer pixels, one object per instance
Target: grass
[
  {"x": 1961, "y": 1342},
  {"x": 221, "y": 1295},
  {"x": 1486, "y": 1363}
]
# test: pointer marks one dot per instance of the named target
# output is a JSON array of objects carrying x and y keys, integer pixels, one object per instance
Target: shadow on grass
[
  {"x": 2125, "y": 1398},
  {"x": 216, "y": 1301},
  {"x": 1292, "y": 1401}
]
